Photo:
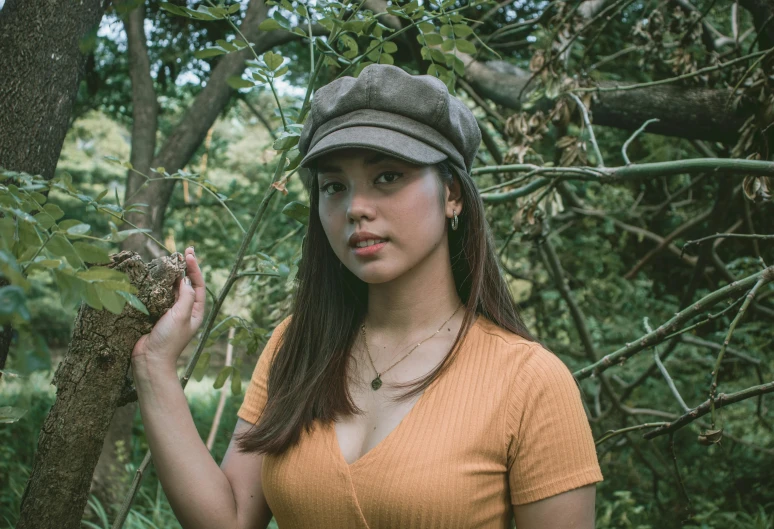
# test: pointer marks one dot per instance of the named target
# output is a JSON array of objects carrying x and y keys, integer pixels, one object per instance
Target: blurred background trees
[{"x": 591, "y": 113}]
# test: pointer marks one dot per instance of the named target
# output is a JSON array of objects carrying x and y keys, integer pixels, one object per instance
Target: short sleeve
[
  {"x": 551, "y": 448},
  {"x": 258, "y": 388}
]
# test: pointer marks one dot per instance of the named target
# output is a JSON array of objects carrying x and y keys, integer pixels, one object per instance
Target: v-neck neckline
[{"x": 334, "y": 440}]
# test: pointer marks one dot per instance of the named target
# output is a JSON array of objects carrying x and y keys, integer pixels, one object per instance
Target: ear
[{"x": 454, "y": 202}]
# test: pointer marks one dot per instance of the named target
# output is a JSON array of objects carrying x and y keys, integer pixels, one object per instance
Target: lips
[
  {"x": 375, "y": 242},
  {"x": 361, "y": 236}
]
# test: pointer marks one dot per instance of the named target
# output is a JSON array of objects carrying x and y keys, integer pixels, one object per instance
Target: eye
[
  {"x": 390, "y": 174},
  {"x": 324, "y": 188}
]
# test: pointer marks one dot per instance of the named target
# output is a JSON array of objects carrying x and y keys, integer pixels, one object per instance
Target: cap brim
[{"x": 378, "y": 139}]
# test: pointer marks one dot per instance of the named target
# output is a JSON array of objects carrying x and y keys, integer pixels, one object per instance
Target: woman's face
[{"x": 361, "y": 190}]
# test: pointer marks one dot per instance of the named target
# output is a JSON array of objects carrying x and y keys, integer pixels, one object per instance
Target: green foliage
[
  {"x": 34, "y": 238},
  {"x": 729, "y": 485}
]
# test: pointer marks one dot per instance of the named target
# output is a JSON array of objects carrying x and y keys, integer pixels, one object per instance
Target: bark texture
[
  {"x": 91, "y": 383},
  {"x": 41, "y": 64},
  {"x": 693, "y": 113}
]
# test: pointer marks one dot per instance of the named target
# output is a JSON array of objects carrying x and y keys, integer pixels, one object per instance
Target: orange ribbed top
[{"x": 503, "y": 425}]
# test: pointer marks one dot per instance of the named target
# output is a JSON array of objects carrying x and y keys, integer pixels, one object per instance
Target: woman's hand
[{"x": 179, "y": 324}]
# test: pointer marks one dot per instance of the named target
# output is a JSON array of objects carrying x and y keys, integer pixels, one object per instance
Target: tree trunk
[
  {"x": 188, "y": 135},
  {"x": 693, "y": 113},
  {"x": 41, "y": 65},
  {"x": 110, "y": 481},
  {"x": 91, "y": 383}
]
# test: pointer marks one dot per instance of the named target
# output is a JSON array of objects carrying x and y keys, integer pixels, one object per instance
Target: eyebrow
[{"x": 327, "y": 167}]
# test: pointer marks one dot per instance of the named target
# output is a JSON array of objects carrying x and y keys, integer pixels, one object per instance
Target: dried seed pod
[{"x": 710, "y": 437}]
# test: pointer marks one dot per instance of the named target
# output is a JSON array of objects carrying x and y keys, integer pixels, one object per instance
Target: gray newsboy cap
[{"x": 411, "y": 117}]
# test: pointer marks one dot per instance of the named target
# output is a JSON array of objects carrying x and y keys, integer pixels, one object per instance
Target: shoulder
[
  {"x": 281, "y": 326},
  {"x": 531, "y": 366},
  {"x": 515, "y": 349}
]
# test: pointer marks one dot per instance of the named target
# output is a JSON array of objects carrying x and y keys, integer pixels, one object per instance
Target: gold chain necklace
[{"x": 377, "y": 382}]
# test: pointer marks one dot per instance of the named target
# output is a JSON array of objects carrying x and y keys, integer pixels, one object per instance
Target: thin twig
[
  {"x": 663, "y": 369},
  {"x": 698, "y": 72},
  {"x": 660, "y": 334},
  {"x": 716, "y": 371},
  {"x": 755, "y": 236},
  {"x": 587, "y": 121},
  {"x": 631, "y": 139}
]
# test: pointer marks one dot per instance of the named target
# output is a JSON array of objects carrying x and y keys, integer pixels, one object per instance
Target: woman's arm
[
  {"x": 198, "y": 490},
  {"x": 201, "y": 494},
  {"x": 573, "y": 509},
  {"x": 244, "y": 473}
]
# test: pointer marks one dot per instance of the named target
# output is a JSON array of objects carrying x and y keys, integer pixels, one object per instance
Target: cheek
[{"x": 417, "y": 220}]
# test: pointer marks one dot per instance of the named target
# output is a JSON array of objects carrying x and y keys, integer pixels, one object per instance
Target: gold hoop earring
[{"x": 454, "y": 221}]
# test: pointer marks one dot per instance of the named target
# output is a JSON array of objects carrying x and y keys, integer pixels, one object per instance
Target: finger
[
  {"x": 185, "y": 301},
  {"x": 197, "y": 282},
  {"x": 177, "y": 289}
]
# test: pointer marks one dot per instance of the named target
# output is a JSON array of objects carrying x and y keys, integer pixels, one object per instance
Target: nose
[{"x": 360, "y": 205}]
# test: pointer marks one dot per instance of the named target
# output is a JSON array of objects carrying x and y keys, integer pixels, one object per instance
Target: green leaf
[
  {"x": 286, "y": 140},
  {"x": 233, "y": 8},
  {"x": 110, "y": 299},
  {"x": 462, "y": 30},
  {"x": 259, "y": 77},
  {"x": 466, "y": 46},
  {"x": 47, "y": 263},
  {"x": 282, "y": 71},
  {"x": 166, "y": 6},
  {"x": 297, "y": 211},
  {"x": 222, "y": 376},
  {"x": 101, "y": 273},
  {"x": 433, "y": 39},
  {"x": 70, "y": 288},
  {"x": 426, "y": 27},
  {"x": 351, "y": 45},
  {"x": 390, "y": 47},
  {"x": 226, "y": 45},
  {"x": 236, "y": 384},
  {"x": 124, "y": 234},
  {"x": 436, "y": 70},
  {"x": 374, "y": 55},
  {"x": 61, "y": 247},
  {"x": 459, "y": 66},
  {"x": 206, "y": 53},
  {"x": 54, "y": 210},
  {"x": 201, "y": 367},
  {"x": 447, "y": 45},
  {"x": 13, "y": 301},
  {"x": 91, "y": 297},
  {"x": 9, "y": 414},
  {"x": 44, "y": 220},
  {"x": 273, "y": 60},
  {"x": 78, "y": 230},
  {"x": 386, "y": 58},
  {"x": 134, "y": 301},
  {"x": 91, "y": 253},
  {"x": 269, "y": 24},
  {"x": 236, "y": 82},
  {"x": 437, "y": 55},
  {"x": 447, "y": 31}
]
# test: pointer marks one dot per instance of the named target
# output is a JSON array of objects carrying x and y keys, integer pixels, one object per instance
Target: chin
[{"x": 374, "y": 273}]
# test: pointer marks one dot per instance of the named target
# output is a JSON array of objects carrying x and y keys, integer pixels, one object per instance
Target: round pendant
[{"x": 376, "y": 383}]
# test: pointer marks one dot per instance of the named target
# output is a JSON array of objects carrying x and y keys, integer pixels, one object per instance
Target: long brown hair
[{"x": 307, "y": 378}]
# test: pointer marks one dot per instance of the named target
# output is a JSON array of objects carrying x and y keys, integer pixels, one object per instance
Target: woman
[{"x": 398, "y": 288}]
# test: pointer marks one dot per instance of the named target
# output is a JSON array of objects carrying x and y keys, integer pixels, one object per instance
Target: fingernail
[
  {"x": 193, "y": 251},
  {"x": 187, "y": 280}
]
